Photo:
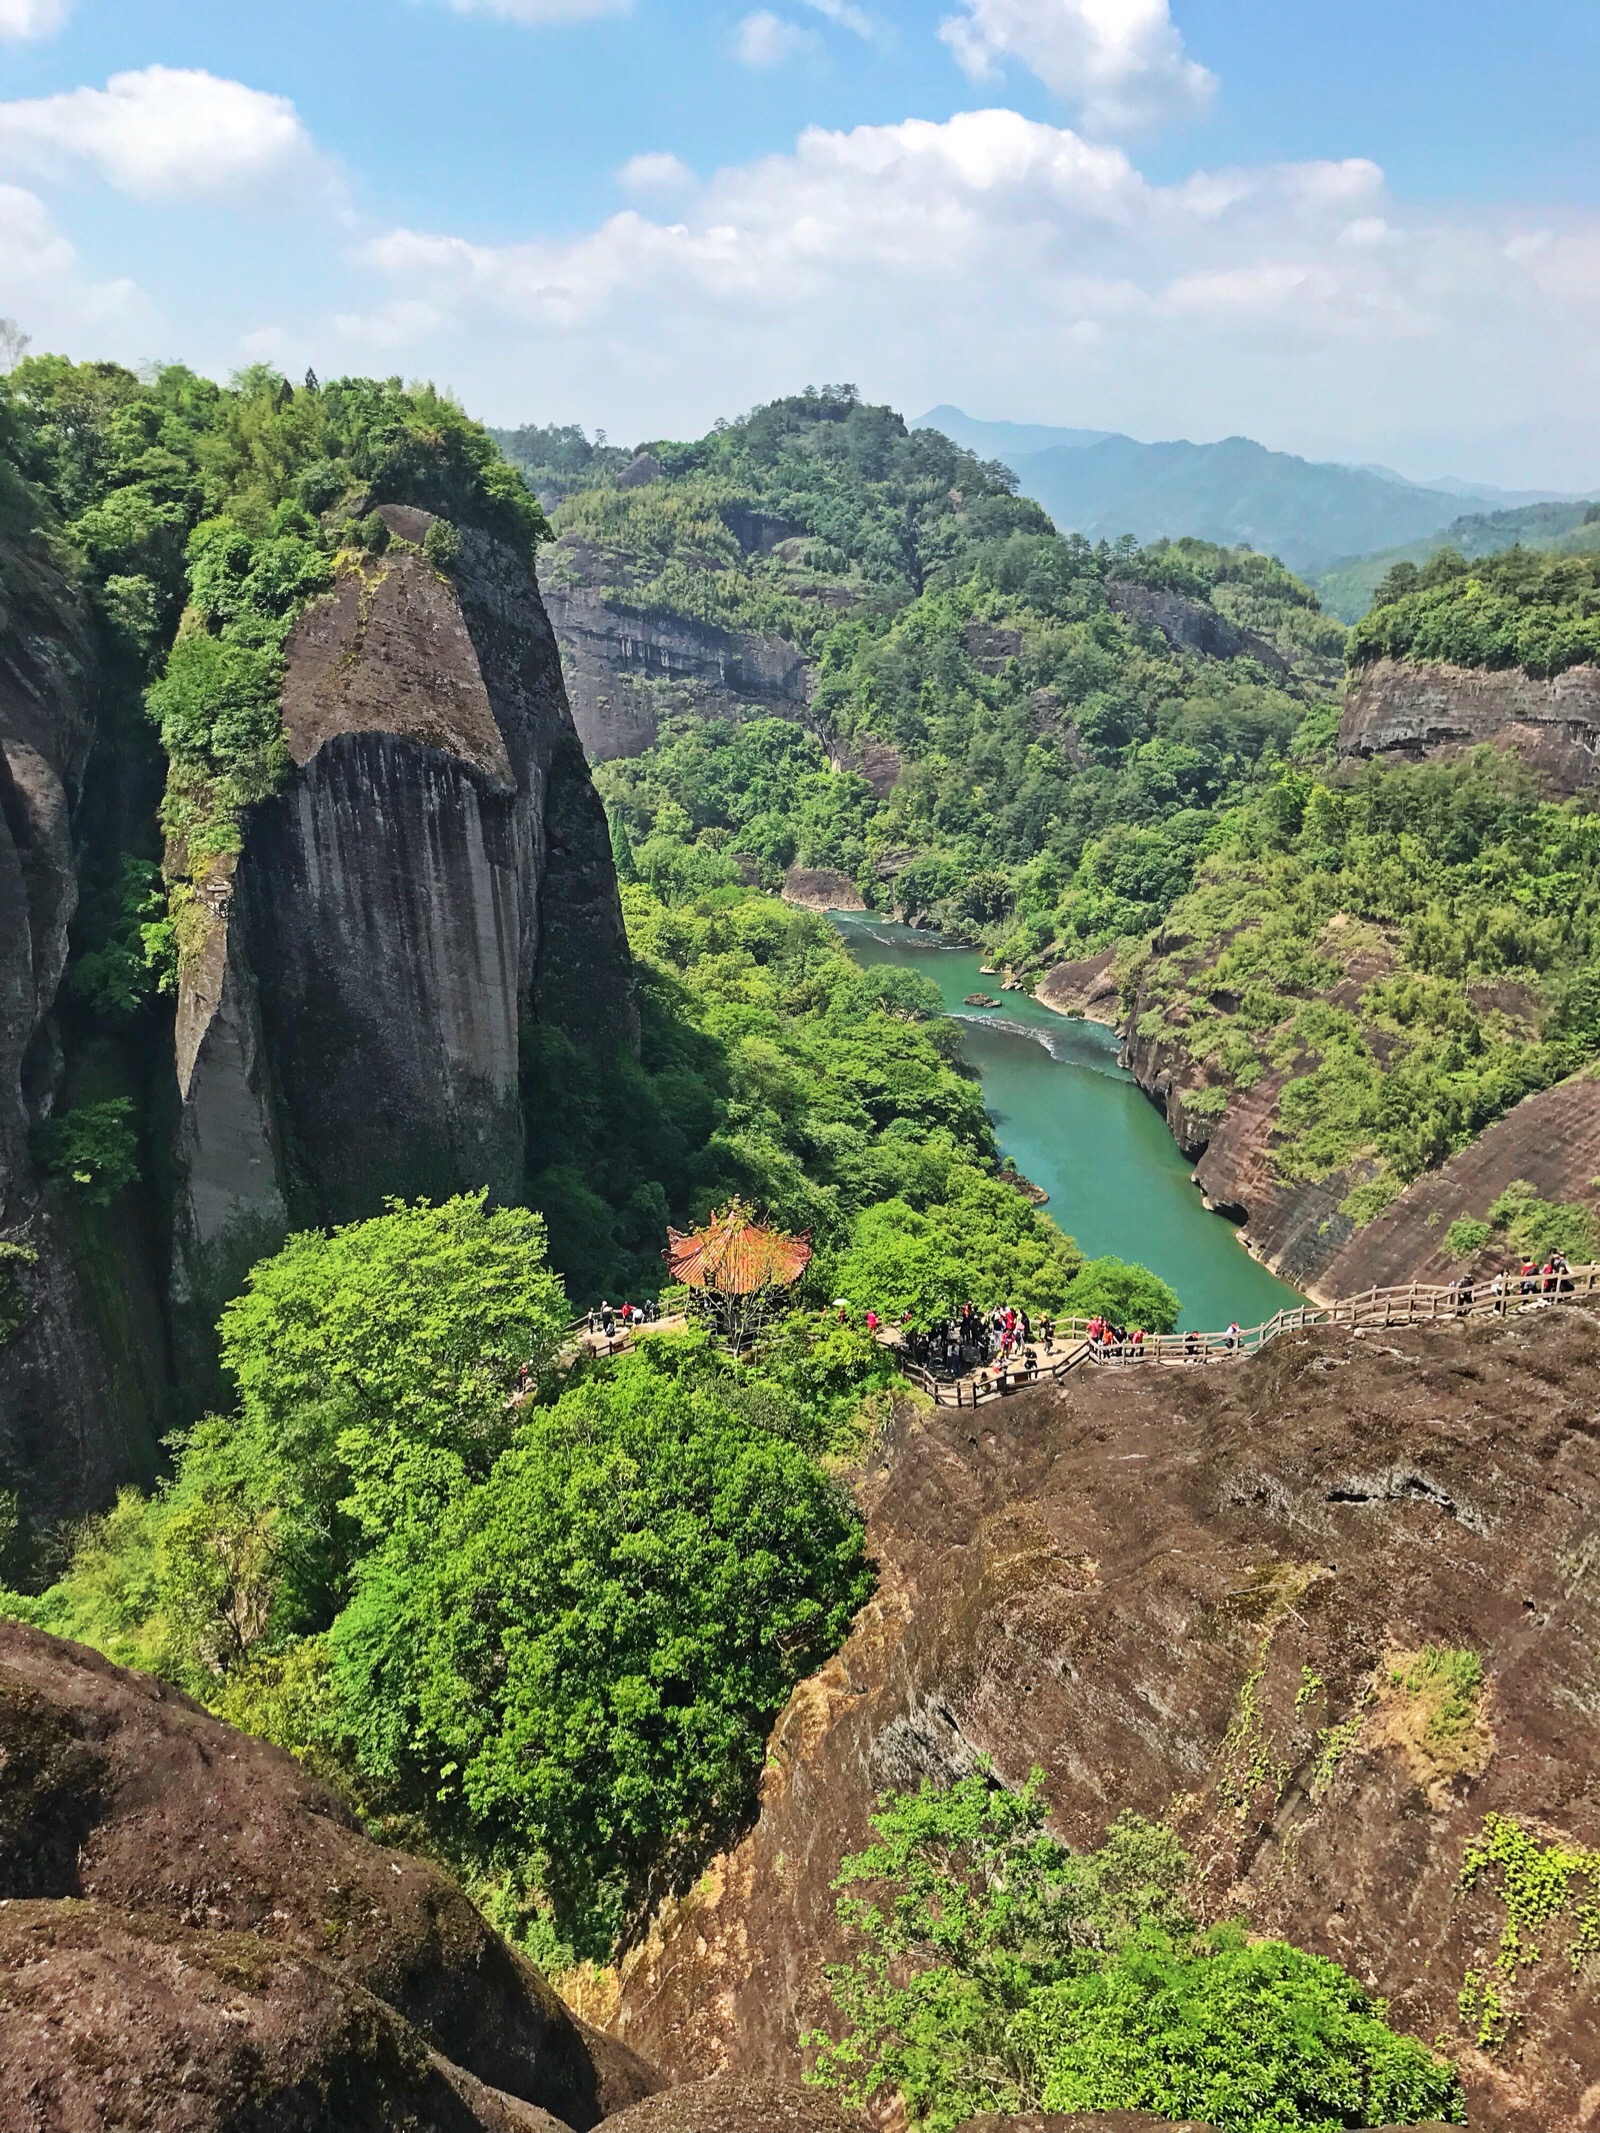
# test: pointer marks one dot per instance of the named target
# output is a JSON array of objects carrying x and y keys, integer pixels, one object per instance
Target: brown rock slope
[
  {"x": 1180, "y": 1593},
  {"x": 1552, "y": 1140},
  {"x": 113, "y": 2021},
  {"x": 118, "y": 1791}
]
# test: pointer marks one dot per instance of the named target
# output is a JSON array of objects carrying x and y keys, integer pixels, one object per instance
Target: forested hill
[
  {"x": 1029, "y": 708},
  {"x": 1349, "y": 588},
  {"x": 1335, "y": 977}
]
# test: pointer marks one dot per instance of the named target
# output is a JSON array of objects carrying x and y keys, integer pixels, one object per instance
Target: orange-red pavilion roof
[{"x": 736, "y": 1256}]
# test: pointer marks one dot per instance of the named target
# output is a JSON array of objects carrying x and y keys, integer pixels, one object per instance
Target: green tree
[
  {"x": 1128, "y": 1295},
  {"x": 579, "y": 1660},
  {"x": 999, "y": 1972},
  {"x": 375, "y": 1366},
  {"x": 1249, "y": 2036}
]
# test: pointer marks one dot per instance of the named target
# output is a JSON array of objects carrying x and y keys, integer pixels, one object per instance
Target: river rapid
[{"x": 1080, "y": 1127}]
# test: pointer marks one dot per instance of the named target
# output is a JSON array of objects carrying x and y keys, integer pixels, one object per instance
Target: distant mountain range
[{"x": 1311, "y": 514}]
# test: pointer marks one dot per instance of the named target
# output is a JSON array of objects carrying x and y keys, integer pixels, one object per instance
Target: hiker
[
  {"x": 872, "y": 1323},
  {"x": 1047, "y": 1327},
  {"x": 1231, "y": 1338},
  {"x": 608, "y": 1320},
  {"x": 1191, "y": 1345}
]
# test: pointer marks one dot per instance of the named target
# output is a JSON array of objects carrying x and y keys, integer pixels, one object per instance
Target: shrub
[
  {"x": 580, "y": 1660},
  {"x": 1128, "y": 1295},
  {"x": 999, "y": 1972},
  {"x": 441, "y": 544},
  {"x": 93, "y": 1150},
  {"x": 14, "y": 1306},
  {"x": 1465, "y": 1238}
]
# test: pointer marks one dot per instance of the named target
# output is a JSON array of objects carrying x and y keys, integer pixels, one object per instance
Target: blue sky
[{"x": 1355, "y": 230}]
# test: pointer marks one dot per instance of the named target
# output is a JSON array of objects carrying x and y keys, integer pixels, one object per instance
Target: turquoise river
[{"x": 1079, "y": 1126}]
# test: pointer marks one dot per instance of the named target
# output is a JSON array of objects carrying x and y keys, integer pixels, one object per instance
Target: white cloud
[
  {"x": 655, "y": 174},
  {"x": 846, "y": 16},
  {"x": 1020, "y": 268},
  {"x": 1119, "y": 63},
  {"x": 765, "y": 40},
  {"x": 163, "y": 133},
  {"x": 539, "y": 14},
  {"x": 43, "y": 288},
  {"x": 32, "y": 18}
]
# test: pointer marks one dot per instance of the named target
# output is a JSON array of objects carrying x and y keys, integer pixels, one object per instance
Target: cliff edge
[
  {"x": 1404, "y": 709},
  {"x": 433, "y": 881},
  {"x": 1201, "y": 1596}
]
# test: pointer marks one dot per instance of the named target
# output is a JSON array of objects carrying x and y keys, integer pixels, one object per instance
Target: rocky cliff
[
  {"x": 1192, "y": 1595},
  {"x": 66, "y": 1422},
  {"x": 1551, "y": 1140},
  {"x": 629, "y": 668},
  {"x": 1395, "y": 708},
  {"x": 434, "y": 880},
  {"x": 194, "y": 1933}
]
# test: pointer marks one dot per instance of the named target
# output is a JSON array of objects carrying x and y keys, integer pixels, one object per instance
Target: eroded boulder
[
  {"x": 116, "y": 1788},
  {"x": 108, "y": 2019}
]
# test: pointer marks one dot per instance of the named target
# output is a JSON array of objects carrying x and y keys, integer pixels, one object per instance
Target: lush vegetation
[
  {"x": 1520, "y": 608},
  {"x": 1060, "y": 761},
  {"x": 544, "y": 1637},
  {"x": 999, "y": 1972},
  {"x": 1348, "y": 588},
  {"x": 1410, "y": 951},
  {"x": 232, "y": 508},
  {"x": 773, "y": 1066},
  {"x": 1531, "y": 1227}
]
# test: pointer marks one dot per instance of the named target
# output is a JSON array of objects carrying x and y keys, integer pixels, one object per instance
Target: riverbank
[{"x": 1078, "y": 1125}]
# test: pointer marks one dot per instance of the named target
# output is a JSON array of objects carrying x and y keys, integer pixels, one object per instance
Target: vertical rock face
[
  {"x": 629, "y": 668},
  {"x": 59, "y": 1420},
  {"x": 435, "y": 879},
  {"x": 1397, "y": 709}
]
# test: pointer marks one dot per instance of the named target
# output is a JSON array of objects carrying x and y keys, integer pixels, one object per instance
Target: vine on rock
[{"x": 1540, "y": 1885}]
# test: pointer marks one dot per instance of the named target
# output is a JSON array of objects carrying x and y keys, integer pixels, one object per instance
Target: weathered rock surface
[
  {"x": 1180, "y": 1593},
  {"x": 1395, "y": 708},
  {"x": 734, "y": 2103},
  {"x": 1552, "y": 1140},
  {"x": 435, "y": 879},
  {"x": 820, "y": 889},
  {"x": 1295, "y": 1226},
  {"x": 68, "y": 1433},
  {"x": 629, "y": 668},
  {"x": 1084, "y": 988},
  {"x": 110, "y": 2021},
  {"x": 1191, "y": 625},
  {"x": 118, "y": 1791}
]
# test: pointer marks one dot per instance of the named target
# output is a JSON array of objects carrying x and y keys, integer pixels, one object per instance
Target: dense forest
[{"x": 1080, "y": 771}]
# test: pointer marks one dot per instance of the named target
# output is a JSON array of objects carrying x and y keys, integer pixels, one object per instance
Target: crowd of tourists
[
  {"x": 1006, "y": 1339},
  {"x": 607, "y": 1319}
]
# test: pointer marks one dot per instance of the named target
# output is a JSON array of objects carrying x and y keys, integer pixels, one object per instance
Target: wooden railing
[{"x": 1416, "y": 1304}]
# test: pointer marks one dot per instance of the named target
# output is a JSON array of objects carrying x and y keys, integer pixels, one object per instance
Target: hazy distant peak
[{"x": 1005, "y": 441}]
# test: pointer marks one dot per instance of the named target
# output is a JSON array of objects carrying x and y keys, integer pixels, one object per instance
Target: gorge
[{"x": 433, "y": 1655}]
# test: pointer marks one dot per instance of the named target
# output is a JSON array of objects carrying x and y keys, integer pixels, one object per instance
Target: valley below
[{"x": 778, "y": 880}]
